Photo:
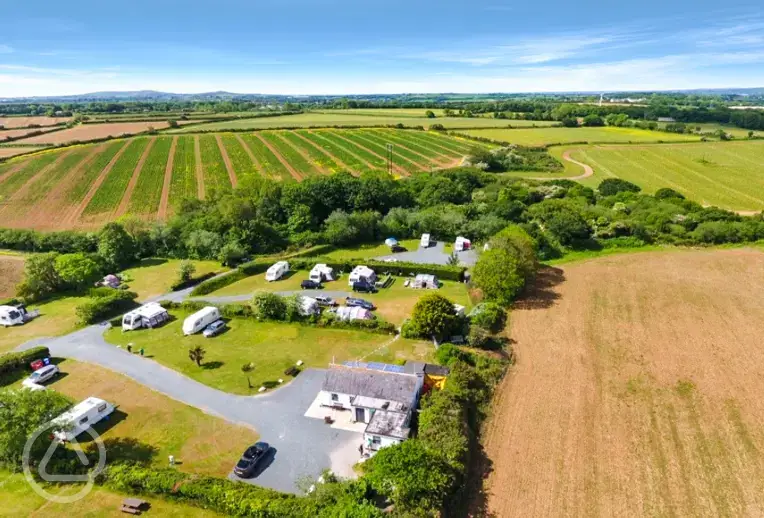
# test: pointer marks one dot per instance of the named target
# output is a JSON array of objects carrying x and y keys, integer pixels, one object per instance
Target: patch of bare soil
[
  {"x": 637, "y": 391},
  {"x": 199, "y": 168},
  {"x": 23, "y": 122},
  {"x": 7, "y": 152},
  {"x": 85, "y": 132},
  {"x": 122, "y": 209},
  {"x": 165, "y": 199},
  {"x": 326, "y": 153},
  {"x": 227, "y": 161},
  {"x": 11, "y": 273}
]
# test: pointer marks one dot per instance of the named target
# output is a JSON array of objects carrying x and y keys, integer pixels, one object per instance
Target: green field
[
  {"x": 109, "y": 195},
  {"x": 151, "y": 179},
  {"x": 183, "y": 182},
  {"x": 725, "y": 174},
  {"x": 548, "y": 136},
  {"x": 342, "y": 118}
]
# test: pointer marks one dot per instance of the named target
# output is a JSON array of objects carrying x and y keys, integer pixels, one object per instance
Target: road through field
[{"x": 636, "y": 392}]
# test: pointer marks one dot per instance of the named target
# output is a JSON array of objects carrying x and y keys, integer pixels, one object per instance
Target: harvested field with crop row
[
  {"x": 92, "y": 184},
  {"x": 25, "y": 122},
  {"x": 636, "y": 390},
  {"x": 8, "y": 152},
  {"x": 86, "y": 132}
]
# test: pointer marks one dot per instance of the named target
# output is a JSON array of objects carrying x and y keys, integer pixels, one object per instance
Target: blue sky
[{"x": 359, "y": 46}]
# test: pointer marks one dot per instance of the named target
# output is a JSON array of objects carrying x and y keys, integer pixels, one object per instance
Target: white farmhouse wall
[{"x": 342, "y": 399}]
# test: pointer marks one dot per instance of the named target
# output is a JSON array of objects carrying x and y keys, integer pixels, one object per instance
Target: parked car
[
  {"x": 42, "y": 375},
  {"x": 247, "y": 465},
  {"x": 364, "y": 287},
  {"x": 323, "y": 300},
  {"x": 213, "y": 329},
  {"x": 365, "y": 304},
  {"x": 397, "y": 249},
  {"x": 310, "y": 285}
]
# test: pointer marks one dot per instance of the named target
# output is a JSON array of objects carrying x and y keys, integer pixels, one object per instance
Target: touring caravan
[
  {"x": 362, "y": 273},
  {"x": 201, "y": 319},
  {"x": 81, "y": 417},
  {"x": 149, "y": 315},
  {"x": 321, "y": 273},
  {"x": 276, "y": 271},
  {"x": 425, "y": 241},
  {"x": 11, "y": 316}
]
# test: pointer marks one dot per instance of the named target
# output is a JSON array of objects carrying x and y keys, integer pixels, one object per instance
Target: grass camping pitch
[{"x": 636, "y": 390}]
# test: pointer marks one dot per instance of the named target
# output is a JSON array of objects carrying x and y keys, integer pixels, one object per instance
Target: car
[
  {"x": 310, "y": 285},
  {"x": 213, "y": 329},
  {"x": 397, "y": 249},
  {"x": 42, "y": 375},
  {"x": 364, "y": 287},
  {"x": 323, "y": 300},
  {"x": 247, "y": 465},
  {"x": 365, "y": 304}
]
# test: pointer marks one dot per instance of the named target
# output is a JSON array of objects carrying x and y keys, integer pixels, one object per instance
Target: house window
[
  {"x": 335, "y": 397},
  {"x": 376, "y": 440}
]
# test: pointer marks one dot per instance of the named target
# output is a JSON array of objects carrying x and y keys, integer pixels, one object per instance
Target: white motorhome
[
  {"x": 11, "y": 316},
  {"x": 362, "y": 273},
  {"x": 321, "y": 273},
  {"x": 425, "y": 241},
  {"x": 201, "y": 319},
  {"x": 149, "y": 315},
  {"x": 276, "y": 271},
  {"x": 461, "y": 244},
  {"x": 81, "y": 417}
]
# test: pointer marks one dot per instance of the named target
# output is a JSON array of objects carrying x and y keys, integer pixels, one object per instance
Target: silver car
[{"x": 42, "y": 375}]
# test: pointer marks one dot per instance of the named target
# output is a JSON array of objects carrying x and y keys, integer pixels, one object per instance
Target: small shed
[{"x": 425, "y": 280}]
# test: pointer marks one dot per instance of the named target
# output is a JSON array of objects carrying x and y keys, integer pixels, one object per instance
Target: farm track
[
  {"x": 75, "y": 215},
  {"x": 396, "y": 167},
  {"x": 278, "y": 156},
  {"x": 350, "y": 152},
  {"x": 304, "y": 154},
  {"x": 164, "y": 202},
  {"x": 227, "y": 161},
  {"x": 199, "y": 168},
  {"x": 588, "y": 171},
  {"x": 21, "y": 193},
  {"x": 122, "y": 208},
  {"x": 252, "y": 156},
  {"x": 48, "y": 216},
  {"x": 330, "y": 156}
]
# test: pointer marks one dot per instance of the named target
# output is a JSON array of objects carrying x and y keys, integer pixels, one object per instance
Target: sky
[{"x": 344, "y": 47}]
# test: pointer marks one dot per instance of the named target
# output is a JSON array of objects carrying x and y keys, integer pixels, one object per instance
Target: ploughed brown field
[
  {"x": 638, "y": 391},
  {"x": 85, "y": 132},
  {"x": 7, "y": 152},
  {"x": 22, "y": 122},
  {"x": 17, "y": 133},
  {"x": 11, "y": 273}
]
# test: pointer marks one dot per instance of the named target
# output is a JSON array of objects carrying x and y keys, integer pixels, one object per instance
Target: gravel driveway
[
  {"x": 303, "y": 446},
  {"x": 432, "y": 255}
]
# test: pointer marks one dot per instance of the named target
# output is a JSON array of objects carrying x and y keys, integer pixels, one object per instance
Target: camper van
[
  {"x": 149, "y": 315},
  {"x": 11, "y": 316},
  {"x": 321, "y": 273},
  {"x": 81, "y": 417},
  {"x": 201, "y": 319},
  {"x": 425, "y": 241},
  {"x": 462, "y": 244},
  {"x": 276, "y": 271}
]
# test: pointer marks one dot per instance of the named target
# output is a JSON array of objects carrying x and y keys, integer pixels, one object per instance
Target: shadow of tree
[
  {"x": 212, "y": 365},
  {"x": 541, "y": 293},
  {"x": 480, "y": 469},
  {"x": 127, "y": 449}
]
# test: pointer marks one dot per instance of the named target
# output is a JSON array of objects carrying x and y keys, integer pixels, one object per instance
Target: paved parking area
[{"x": 433, "y": 255}]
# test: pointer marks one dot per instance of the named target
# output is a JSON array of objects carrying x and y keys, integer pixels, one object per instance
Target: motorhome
[
  {"x": 276, "y": 271},
  {"x": 149, "y": 315},
  {"x": 84, "y": 415},
  {"x": 362, "y": 273},
  {"x": 425, "y": 241},
  {"x": 462, "y": 244},
  {"x": 201, "y": 319},
  {"x": 321, "y": 273}
]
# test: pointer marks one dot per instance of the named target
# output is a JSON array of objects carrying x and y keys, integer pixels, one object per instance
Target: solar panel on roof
[{"x": 376, "y": 366}]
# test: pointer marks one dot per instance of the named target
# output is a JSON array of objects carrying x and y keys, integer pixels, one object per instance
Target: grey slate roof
[
  {"x": 390, "y": 424},
  {"x": 371, "y": 383}
]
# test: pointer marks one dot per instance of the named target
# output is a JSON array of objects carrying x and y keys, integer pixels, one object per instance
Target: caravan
[
  {"x": 81, "y": 417},
  {"x": 321, "y": 273},
  {"x": 201, "y": 319},
  {"x": 11, "y": 316},
  {"x": 425, "y": 242},
  {"x": 276, "y": 271},
  {"x": 308, "y": 306},
  {"x": 362, "y": 274},
  {"x": 149, "y": 315}
]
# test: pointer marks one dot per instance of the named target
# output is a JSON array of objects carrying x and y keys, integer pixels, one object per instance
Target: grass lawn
[
  {"x": 272, "y": 347},
  {"x": 368, "y": 251},
  {"x": 56, "y": 318},
  {"x": 19, "y": 499},
  {"x": 289, "y": 282},
  {"x": 396, "y": 303},
  {"x": 153, "y": 277},
  {"x": 545, "y": 136}
]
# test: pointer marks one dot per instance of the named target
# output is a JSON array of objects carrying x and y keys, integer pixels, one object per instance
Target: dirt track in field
[
  {"x": 327, "y": 154},
  {"x": 11, "y": 273},
  {"x": 304, "y": 154},
  {"x": 637, "y": 391},
  {"x": 7, "y": 152},
  {"x": 164, "y": 201},
  {"x": 350, "y": 152},
  {"x": 125, "y": 202},
  {"x": 292, "y": 171},
  {"x": 252, "y": 156},
  {"x": 199, "y": 168},
  {"x": 398, "y": 169}
]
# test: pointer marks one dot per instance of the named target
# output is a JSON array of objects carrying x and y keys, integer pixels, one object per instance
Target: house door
[{"x": 360, "y": 415}]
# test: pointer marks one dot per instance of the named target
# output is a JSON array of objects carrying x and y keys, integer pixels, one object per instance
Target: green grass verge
[
  {"x": 153, "y": 277},
  {"x": 56, "y": 318}
]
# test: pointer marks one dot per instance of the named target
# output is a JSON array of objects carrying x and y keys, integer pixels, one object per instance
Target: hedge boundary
[{"x": 12, "y": 362}]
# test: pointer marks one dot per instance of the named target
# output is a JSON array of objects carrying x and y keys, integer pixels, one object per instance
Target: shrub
[
  {"x": 433, "y": 315},
  {"x": 193, "y": 281},
  {"x": 11, "y": 362},
  {"x": 489, "y": 316},
  {"x": 666, "y": 193},
  {"x": 269, "y": 306},
  {"x": 612, "y": 186},
  {"x": 102, "y": 307}
]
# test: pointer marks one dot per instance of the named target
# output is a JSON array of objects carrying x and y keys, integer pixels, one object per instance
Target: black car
[
  {"x": 365, "y": 304},
  {"x": 364, "y": 287},
  {"x": 310, "y": 285},
  {"x": 247, "y": 465}
]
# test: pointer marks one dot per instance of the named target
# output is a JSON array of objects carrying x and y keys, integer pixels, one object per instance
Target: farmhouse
[{"x": 383, "y": 396}]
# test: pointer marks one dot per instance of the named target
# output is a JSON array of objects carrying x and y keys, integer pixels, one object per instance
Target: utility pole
[{"x": 390, "y": 159}]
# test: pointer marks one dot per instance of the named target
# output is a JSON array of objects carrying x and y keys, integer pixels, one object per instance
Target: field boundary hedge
[{"x": 11, "y": 362}]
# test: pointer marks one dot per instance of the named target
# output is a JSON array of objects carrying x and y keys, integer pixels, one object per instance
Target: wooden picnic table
[{"x": 132, "y": 505}]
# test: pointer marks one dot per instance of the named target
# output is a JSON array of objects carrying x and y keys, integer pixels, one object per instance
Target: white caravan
[
  {"x": 461, "y": 244},
  {"x": 321, "y": 273},
  {"x": 276, "y": 271},
  {"x": 11, "y": 316},
  {"x": 149, "y": 315},
  {"x": 81, "y": 417},
  {"x": 201, "y": 319},
  {"x": 362, "y": 273},
  {"x": 425, "y": 241}
]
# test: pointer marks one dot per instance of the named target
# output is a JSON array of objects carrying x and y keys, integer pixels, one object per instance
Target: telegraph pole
[{"x": 390, "y": 159}]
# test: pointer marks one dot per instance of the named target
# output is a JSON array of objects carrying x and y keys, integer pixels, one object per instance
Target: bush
[
  {"x": 612, "y": 186},
  {"x": 101, "y": 307},
  {"x": 433, "y": 315},
  {"x": 193, "y": 281},
  {"x": 269, "y": 306},
  {"x": 666, "y": 193},
  {"x": 489, "y": 316},
  {"x": 11, "y": 362}
]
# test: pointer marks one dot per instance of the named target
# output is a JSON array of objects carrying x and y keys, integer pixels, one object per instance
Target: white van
[
  {"x": 201, "y": 319},
  {"x": 149, "y": 315},
  {"x": 81, "y": 417},
  {"x": 425, "y": 241},
  {"x": 276, "y": 271}
]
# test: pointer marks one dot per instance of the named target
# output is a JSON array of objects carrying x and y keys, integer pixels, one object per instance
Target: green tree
[
  {"x": 499, "y": 275},
  {"x": 433, "y": 315},
  {"x": 115, "y": 246},
  {"x": 489, "y": 316},
  {"x": 429, "y": 114},
  {"x": 665, "y": 193},
  {"x": 562, "y": 219},
  {"x": 186, "y": 271},
  {"x": 412, "y": 476},
  {"x": 203, "y": 244},
  {"x": 77, "y": 270},
  {"x": 612, "y": 186},
  {"x": 40, "y": 277},
  {"x": 231, "y": 254},
  {"x": 269, "y": 306},
  {"x": 196, "y": 354},
  {"x": 21, "y": 413},
  {"x": 569, "y": 122},
  {"x": 519, "y": 243},
  {"x": 593, "y": 120}
]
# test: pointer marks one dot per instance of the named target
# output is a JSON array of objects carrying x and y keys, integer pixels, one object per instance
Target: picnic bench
[{"x": 133, "y": 506}]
